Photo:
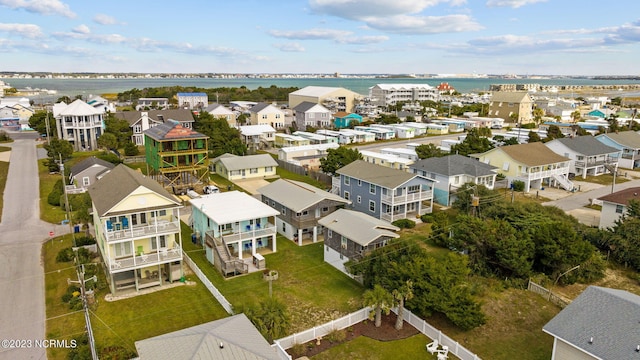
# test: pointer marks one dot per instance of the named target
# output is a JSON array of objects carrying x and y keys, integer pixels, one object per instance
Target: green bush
[
  {"x": 64, "y": 255},
  {"x": 54, "y": 198},
  {"x": 130, "y": 149},
  {"x": 528, "y": 126},
  {"x": 426, "y": 218},
  {"x": 85, "y": 240},
  {"x": 517, "y": 185},
  {"x": 404, "y": 223},
  {"x": 110, "y": 157},
  {"x": 4, "y": 136},
  {"x": 336, "y": 336}
]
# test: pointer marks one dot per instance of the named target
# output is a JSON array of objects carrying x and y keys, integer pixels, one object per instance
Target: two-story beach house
[
  {"x": 80, "y": 124},
  {"x": 222, "y": 112},
  {"x": 137, "y": 225},
  {"x": 235, "y": 227},
  {"x": 626, "y": 141},
  {"x": 266, "y": 114},
  {"x": 512, "y": 106},
  {"x": 532, "y": 163},
  {"x": 333, "y": 98},
  {"x": 451, "y": 172},
  {"x": 384, "y": 193},
  {"x": 616, "y": 205},
  {"x": 351, "y": 235},
  {"x": 141, "y": 121},
  {"x": 589, "y": 157},
  {"x": 311, "y": 114},
  {"x": 193, "y": 100},
  {"x": 301, "y": 206}
]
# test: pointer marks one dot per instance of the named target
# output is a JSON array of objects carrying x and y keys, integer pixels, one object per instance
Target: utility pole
[
  {"x": 66, "y": 200},
  {"x": 83, "y": 293}
]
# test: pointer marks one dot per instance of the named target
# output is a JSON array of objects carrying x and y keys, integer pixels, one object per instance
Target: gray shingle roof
[
  {"x": 376, "y": 174},
  {"x": 587, "y": 145},
  {"x": 609, "y": 316},
  {"x": 454, "y": 165},
  {"x": 172, "y": 130},
  {"x": 235, "y": 162},
  {"x": 259, "y": 107},
  {"x": 240, "y": 340},
  {"x": 89, "y": 162},
  {"x": 305, "y": 106},
  {"x": 120, "y": 183},
  {"x": 182, "y": 115},
  {"x": 297, "y": 195},
  {"x": 358, "y": 227}
]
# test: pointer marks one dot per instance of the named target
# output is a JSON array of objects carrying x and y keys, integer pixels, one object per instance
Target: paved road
[
  {"x": 22, "y": 303},
  {"x": 581, "y": 199}
]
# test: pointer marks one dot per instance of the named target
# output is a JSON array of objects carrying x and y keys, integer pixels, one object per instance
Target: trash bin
[
  {"x": 193, "y": 238},
  {"x": 76, "y": 228}
]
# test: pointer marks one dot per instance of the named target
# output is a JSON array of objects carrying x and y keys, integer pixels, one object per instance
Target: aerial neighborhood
[{"x": 202, "y": 226}]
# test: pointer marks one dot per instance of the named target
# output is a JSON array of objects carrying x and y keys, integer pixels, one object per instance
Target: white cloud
[
  {"x": 363, "y": 40},
  {"x": 43, "y": 7},
  {"x": 512, "y": 3},
  {"x": 357, "y": 9},
  {"x": 424, "y": 24},
  {"x": 104, "y": 19},
  {"x": 77, "y": 34},
  {"x": 81, "y": 29},
  {"x": 30, "y": 31},
  {"x": 290, "y": 47},
  {"x": 311, "y": 34}
]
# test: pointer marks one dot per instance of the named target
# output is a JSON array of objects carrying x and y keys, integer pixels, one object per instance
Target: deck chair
[
  {"x": 443, "y": 354},
  {"x": 109, "y": 225},
  {"x": 433, "y": 347}
]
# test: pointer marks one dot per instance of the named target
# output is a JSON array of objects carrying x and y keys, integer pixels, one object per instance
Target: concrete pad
[
  {"x": 5, "y": 156},
  {"x": 589, "y": 217},
  {"x": 251, "y": 185}
]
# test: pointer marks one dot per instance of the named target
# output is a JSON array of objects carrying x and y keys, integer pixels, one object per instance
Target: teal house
[{"x": 342, "y": 120}]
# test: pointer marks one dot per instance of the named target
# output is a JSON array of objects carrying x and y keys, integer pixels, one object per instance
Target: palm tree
[
  {"x": 380, "y": 299},
  {"x": 270, "y": 318},
  {"x": 400, "y": 295}
]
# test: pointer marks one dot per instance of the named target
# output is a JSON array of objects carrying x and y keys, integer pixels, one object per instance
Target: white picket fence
[
  {"x": 360, "y": 315},
  {"x": 212, "y": 289}
]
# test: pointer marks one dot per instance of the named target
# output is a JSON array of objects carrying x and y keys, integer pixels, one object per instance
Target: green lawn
[
  {"x": 121, "y": 323},
  {"x": 363, "y": 347},
  {"x": 302, "y": 178},
  {"x": 48, "y": 213},
  {"x": 314, "y": 291},
  {"x": 605, "y": 179},
  {"x": 4, "y": 172}
]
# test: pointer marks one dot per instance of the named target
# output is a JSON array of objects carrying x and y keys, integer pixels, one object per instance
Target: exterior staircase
[{"x": 563, "y": 181}]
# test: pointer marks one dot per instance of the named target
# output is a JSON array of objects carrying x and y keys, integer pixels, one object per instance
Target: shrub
[
  {"x": 54, "y": 198},
  {"x": 298, "y": 350},
  {"x": 65, "y": 255},
  {"x": 110, "y": 157},
  {"x": 85, "y": 240},
  {"x": 404, "y": 223},
  {"x": 426, "y": 218},
  {"x": 4, "y": 136},
  {"x": 517, "y": 185},
  {"x": 130, "y": 149},
  {"x": 336, "y": 336}
]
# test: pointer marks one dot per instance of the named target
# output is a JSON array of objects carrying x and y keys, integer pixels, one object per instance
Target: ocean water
[{"x": 85, "y": 87}]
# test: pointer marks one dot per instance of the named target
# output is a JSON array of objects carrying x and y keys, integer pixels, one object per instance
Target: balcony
[
  {"x": 538, "y": 175},
  {"x": 141, "y": 231},
  {"x": 251, "y": 233},
  {"x": 137, "y": 261},
  {"x": 407, "y": 198},
  {"x": 594, "y": 163}
]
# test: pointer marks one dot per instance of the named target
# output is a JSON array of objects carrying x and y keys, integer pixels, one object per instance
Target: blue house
[
  {"x": 343, "y": 119},
  {"x": 626, "y": 141},
  {"x": 385, "y": 193},
  {"x": 236, "y": 228},
  {"x": 597, "y": 113}
]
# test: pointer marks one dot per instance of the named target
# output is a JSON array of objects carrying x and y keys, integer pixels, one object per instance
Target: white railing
[
  {"x": 207, "y": 283},
  {"x": 156, "y": 257},
  {"x": 400, "y": 199},
  {"x": 250, "y": 234},
  {"x": 156, "y": 227},
  {"x": 544, "y": 173}
]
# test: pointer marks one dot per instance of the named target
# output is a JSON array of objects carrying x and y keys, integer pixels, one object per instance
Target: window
[
  {"x": 284, "y": 227},
  {"x": 346, "y": 195},
  {"x": 413, "y": 189},
  {"x": 163, "y": 242},
  {"x": 264, "y": 117},
  {"x": 268, "y": 169},
  {"x": 372, "y": 206},
  {"x": 284, "y": 211},
  {"x": 343, "y": 242},
  {"x": 137, "y": 129},
  {"x": 346, "y": 180},
  {"x": 359, "y": 182},
  {"x": 505, "y": 166},
  {"x": 253, "y": 170},
  {"x": 277, "y": 116},
  {"x": 162, "y": 213},
  {"x": 325, "y": 209},
  {"x": 619, "y": 209},
  {"x": 85, "y": 181},
  {"x": 456, "y": 179},
  {"x": 329, "y": 233},
  {"x": 372, "y": 188}
]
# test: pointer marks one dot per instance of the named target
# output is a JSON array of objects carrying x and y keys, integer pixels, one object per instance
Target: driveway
[
  {"x": 21, "y": 236},
  {"x": 251, "y": 185}
]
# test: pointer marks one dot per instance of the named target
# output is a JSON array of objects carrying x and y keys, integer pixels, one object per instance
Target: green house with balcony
[{"x": 177, "y": 156}]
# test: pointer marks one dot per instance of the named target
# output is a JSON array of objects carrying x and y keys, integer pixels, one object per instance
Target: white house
[
  {"x": 589, "y": 157},
  {"x": 222, "y": 112},
  {"x": 616, "y": 205},
  {"x": 311, "y": 114},
  {"x": 79, "y": 123},
  {"x": 391, "y": 94},
  {"x": 194, "y": 100}
]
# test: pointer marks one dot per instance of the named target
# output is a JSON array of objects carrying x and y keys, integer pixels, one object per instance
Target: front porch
[{"x": 135, "y": 280}]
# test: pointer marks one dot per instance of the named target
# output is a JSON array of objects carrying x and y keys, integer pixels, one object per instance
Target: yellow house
[
  {"x": 286, "y": 140},
  {"x": 234, "y": 167},
  {"x": 137, "y": 225},
  {"x": 532, "y": 163},
  {"x": 508, "y": 104},
  {"x": 266, "y": 114}
]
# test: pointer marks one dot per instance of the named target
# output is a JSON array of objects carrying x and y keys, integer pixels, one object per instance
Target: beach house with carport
[
  {"x": 626, "y": 141},
  {"x": 383, "y": 192},
  {"x": 450, "y": 172},
  {"x": 599, "y": 324},
  {"x": 137, "y": 227},
  {"x": 589, "y": 157},
  {"x": 79, "y": 123},
  {"x": 351, "y": 235},
  {"x": 301, "y": 206},
  {"x": 532, "y": 163},
  {"x": 234, "y": 227}
]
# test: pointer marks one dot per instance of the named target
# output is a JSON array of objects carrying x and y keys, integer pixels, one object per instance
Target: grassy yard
[
  {"x": 48, "y": 213},
  {"x": 314, "y": 291},
  {"x": 4, "y": 172},
  {"x": 363, "y": 347},
  {"x": 285, "y": 174},
  {"x": 121, "y": 323},
  {"x": 606, "y": 179}
]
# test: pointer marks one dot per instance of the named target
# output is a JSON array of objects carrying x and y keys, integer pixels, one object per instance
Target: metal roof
[
  {"x": 358, "y": 227},
  {"x": 232, "y": 206},
  {"x": 297, "y": 195},
  {"x": 234, "y": 162},
  {"x": 454, "y": 165}
]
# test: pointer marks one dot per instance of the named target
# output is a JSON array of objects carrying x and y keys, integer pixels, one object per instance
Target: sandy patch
[{"x": 5, "y": 156}]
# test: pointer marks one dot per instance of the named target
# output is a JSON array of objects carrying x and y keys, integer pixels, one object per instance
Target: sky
[{"x": 526, "y": 37}]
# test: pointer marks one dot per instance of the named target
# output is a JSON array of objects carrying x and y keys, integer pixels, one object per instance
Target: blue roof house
[{"x": 343, "y": 120}]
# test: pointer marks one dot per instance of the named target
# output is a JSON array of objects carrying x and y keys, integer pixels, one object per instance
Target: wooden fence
[
  {"x": 316, "y": 175},
  {"x": 548, "y": 294}
]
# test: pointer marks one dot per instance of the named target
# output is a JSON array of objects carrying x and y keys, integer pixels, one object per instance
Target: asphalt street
[
  {"x": 581, "y": 199},
  {"x": 22, "y": 314}
]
